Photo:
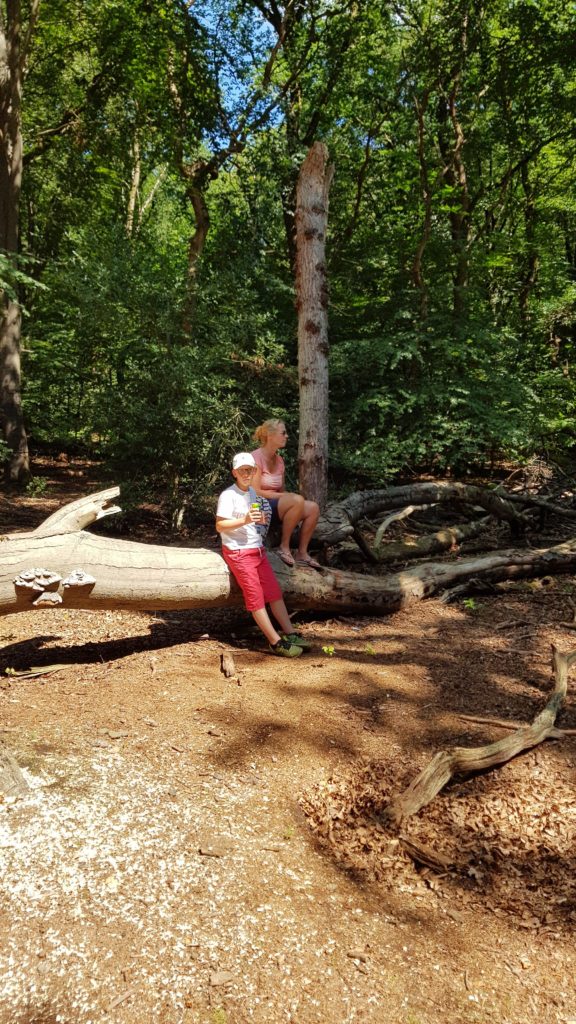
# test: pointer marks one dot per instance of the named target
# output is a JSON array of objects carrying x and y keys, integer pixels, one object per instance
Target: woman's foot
[
  {"x": 307, "y": 560},
  {"x": 286, "y": 555}
]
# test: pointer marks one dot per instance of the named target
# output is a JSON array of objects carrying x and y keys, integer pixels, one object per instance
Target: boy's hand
[{"x": 254, "y": 515}]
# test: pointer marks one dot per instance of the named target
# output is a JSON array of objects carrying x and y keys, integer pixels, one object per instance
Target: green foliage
[
  {"x": 451, "y": 249},
  {"x": 14, "y": 278},
  {"x": 36, "y": 487},
  {"x": 171, "y": 419}
]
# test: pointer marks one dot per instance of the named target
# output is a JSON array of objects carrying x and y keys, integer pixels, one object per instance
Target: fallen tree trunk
[
  {"x": 431, "y": 544},
  {"x": 464, "y": 760},
  {"x": 339, "y": 518},
  {"x": 61, "y": 563}
]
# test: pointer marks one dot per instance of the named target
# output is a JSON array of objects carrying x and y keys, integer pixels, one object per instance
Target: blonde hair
[{"x": 268, "y": 427}]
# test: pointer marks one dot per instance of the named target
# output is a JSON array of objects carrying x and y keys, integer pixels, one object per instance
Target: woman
[{"x": 291, "y": 509}]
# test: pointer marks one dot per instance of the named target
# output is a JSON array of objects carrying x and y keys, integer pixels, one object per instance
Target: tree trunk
[
  {"x": 195, "y": 249},
  {"x": 136, "y": 173},
  {"x": 530, "y": 275},
  {"x": 417, "y": 271},
  {"x": 11, "y": 73},
  {"x": 312, "y": 305},
  {"x": 59, "y": 563},
  {"x": 11, "y": 414}
]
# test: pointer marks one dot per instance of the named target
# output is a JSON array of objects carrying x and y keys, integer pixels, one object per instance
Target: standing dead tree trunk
[{"x": 312, "y": 305}]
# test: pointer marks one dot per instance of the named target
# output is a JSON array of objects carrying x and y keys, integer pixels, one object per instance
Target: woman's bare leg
[
  {"x": 309, "y": 521},
  {"x": 290, "y": 511}
]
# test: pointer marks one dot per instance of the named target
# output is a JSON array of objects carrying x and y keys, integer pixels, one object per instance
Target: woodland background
[{"x": 154, "y": 267}]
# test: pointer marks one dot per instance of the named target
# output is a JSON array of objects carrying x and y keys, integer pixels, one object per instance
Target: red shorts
[{"x": 253, "y": 573}]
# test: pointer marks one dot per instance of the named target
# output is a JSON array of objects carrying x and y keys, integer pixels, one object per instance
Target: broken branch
[{"x": 462, "y": 760}]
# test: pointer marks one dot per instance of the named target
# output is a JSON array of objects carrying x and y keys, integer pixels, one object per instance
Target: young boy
[{"x": 244, "y": 554}]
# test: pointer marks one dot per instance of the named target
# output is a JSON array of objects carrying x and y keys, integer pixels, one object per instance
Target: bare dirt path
[{"x": 198, "y": 849}]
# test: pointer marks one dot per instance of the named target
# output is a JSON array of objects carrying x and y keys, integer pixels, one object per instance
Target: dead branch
[
  {"x": 537, "y": 502},
  {"x": 504, "y": 723},
  {"x": 425, "y": 855},
  {"x": 12, "y": 782},
  {"x": 403, "y": 513},
  {"x": 431, "y": 544},
  {"x": 338, "y": 519},
  {"x": 364, "y": 546},
  {"x": 463, "y": 761}
]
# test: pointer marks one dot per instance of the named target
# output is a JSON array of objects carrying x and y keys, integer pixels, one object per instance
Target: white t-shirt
[{"x": 234, "y": 504}]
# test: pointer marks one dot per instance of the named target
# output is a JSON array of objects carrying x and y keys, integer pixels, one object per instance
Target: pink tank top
[{"x": 270, "y": 481}]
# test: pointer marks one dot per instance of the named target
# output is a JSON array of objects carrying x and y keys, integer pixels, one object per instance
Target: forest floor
[{"x": 201, "y": 850}]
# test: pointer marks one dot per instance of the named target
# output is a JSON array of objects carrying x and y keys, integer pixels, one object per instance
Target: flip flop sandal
[
  {"x": 310, "y": 562},
  {"x": 286, "y": 557}
]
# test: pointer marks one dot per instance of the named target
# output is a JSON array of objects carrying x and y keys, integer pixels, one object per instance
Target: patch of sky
[{"x": 239, "y": 42}]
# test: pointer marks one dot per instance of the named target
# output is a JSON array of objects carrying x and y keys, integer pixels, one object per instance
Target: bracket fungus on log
[
  {"x": 47, "y": 599},
  {"x": 45, "y": 584},
  {"x": 79, "y": 579},
  {"x": 35, "y": 583}
]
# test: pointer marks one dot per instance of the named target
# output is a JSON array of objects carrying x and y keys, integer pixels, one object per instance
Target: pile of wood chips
[{"x": 505, "y": 840}]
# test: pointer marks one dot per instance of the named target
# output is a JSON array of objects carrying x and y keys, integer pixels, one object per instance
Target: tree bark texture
[
  {"x": 312, "y": 305},
  {"x": 62, "y": 564},
  {"x": 11, "y": 164}
]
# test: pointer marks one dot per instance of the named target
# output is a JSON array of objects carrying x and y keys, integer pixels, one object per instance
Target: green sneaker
[
  {"x": 298, "y": 640},
  {"x": 285, "y": 649}
]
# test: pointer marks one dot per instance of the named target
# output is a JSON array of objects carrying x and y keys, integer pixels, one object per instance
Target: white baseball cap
[{"x": 243, "y": 459}]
